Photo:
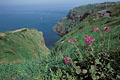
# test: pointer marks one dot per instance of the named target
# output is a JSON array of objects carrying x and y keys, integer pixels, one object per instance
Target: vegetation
[
  {"x": 90, "y": 51},
  {"x": 78, "y": 14},
  {"x": 21, "y": 45}
]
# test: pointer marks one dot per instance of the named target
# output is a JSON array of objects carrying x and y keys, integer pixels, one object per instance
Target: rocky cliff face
[
  {"x": 20, "y": 45},
  {"x": 78, "y": 14}
]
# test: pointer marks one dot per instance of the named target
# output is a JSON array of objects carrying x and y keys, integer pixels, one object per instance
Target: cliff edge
[{"x": 20, "y": 45}]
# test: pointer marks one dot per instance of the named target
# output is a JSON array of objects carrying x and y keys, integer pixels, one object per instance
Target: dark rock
[
  {"x": 61, "y": 31},
  {"x": 84, "y": 16}
]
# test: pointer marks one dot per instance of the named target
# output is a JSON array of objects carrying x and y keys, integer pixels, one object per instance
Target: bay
[{"x": 41, "y": 20}]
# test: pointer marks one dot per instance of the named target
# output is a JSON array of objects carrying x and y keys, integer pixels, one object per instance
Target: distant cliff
[
  {"x": 20, "y": 45},
  {"x": 78, "y": 14}
]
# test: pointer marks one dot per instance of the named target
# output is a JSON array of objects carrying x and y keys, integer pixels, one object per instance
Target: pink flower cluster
[
  {"x": 71, "y": 40},
  {"x": 104, "y": 54},
  {"x": 89, "y": 39},
  {"x": 107, "y": 28},
  {"x": 66, "y": 60},
  {"x": 86, "y": 49},
  {"x": 96, "y": 29}
]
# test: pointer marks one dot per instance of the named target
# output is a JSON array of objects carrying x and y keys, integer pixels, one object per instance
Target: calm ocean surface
[{"x": 41, "y": 20}]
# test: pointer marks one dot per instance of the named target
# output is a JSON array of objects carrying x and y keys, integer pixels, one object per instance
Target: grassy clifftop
[{"x": 21, "y": 45}]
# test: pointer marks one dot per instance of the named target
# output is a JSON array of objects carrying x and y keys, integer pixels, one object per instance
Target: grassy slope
[
  {"x": 86, "y": 27},
  {"x": 52, "y": 67},
  {"x": 22, "y": 55},
  {"x": 112, "y": 41},
  {"x": 26, "y": 44}
]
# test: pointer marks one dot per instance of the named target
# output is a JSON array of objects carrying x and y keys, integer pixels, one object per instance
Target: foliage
[
  {"x": 21, "y": 45},
  {"x": 73, "y": 59}
]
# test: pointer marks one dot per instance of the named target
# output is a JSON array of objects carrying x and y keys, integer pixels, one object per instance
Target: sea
[{"x": 42, "y": 20}]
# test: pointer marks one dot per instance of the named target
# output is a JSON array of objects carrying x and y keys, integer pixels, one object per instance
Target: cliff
[
  {"x": 20, "y": 45},
  {"x": 89, "y": 51},
  {"x": 78, "y": 14}
]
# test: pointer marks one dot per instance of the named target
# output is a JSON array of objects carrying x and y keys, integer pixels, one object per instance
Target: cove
[{"x": 41, "y": 20}]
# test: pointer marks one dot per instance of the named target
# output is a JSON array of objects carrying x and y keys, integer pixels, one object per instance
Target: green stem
[
  {"x": 75, "y": 53},
  {"x": 108, "y": 44},
  {"x": 102, "y": 37},
  {"x": 79, "y": 51},
  {"x": 91, "y": 49}
]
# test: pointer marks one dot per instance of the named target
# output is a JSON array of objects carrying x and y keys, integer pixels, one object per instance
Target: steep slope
[
  {"x": 21, "y": 45},
  {"x": 96, "y": 57},
  {"x": 78, "y": 14},
  {"x": 86, "y": 27}
]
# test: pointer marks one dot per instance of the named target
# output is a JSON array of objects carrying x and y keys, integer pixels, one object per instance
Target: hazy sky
[
  {"x": 42, "y": 2},
  {"x": 46, "y": 4}
]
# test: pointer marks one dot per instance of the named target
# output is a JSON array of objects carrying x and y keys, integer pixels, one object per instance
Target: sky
[{"x": 49, "y": 3}]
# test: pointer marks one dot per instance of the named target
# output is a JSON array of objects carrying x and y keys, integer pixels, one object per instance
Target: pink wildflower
[
  {"x": 87, "y": 49},
  {"x": 92, "y": 39},
  {"x": 104, "y": 54},
  {"x": 71, "y": 40},
  {"x": 89, "y": 39},
  {"x": 107, "y": 28},
  {"x": 66, "y": 61},
  {"x": 85, "y": 36},
  {"x": 96, "y": 29}
]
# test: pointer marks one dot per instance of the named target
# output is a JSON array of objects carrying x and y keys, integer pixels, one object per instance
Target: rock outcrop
[
  {"x": 59, "y": 29},
  {"x": 103, "y": 13}
]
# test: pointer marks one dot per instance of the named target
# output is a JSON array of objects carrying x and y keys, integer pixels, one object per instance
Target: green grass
[
  {"x": 111, "y": 45},
  {"x": 93, "y": 65},
  {"x": 27, "y": 44}
]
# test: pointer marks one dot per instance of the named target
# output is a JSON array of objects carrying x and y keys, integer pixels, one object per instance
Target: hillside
[
  {"x": 89, "y": 50},
  {"x": 85, "y": 47},
  {"x": 86, "y": 27},
  {"x": 21, "y": 45},
  {"x": 78, "y": 14}
]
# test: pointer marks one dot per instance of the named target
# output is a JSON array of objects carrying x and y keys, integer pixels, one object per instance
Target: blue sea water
[{"x": 39, "y": 19}]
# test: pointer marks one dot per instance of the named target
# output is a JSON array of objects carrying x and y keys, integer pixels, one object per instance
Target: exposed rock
[
  {"x": 18, "y": 30},
  {"x": 103, "y": 13},
  {"x": 59, "y": 29},
  {"x": 2, "y": 34},
  {"x": 84, "y": 16}
]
